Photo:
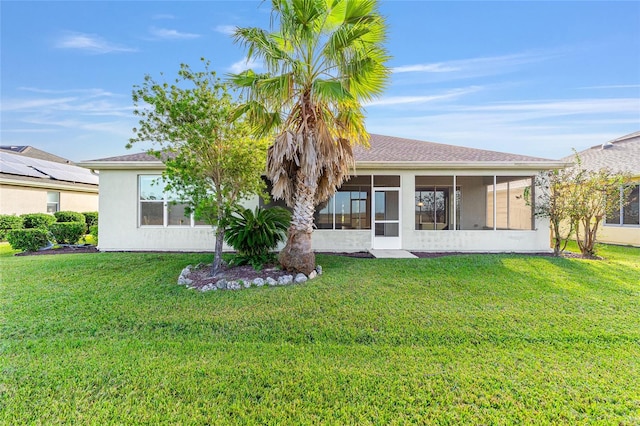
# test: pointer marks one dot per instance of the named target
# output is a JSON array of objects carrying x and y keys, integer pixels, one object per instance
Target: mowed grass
[{"x": 109, "y": 338}]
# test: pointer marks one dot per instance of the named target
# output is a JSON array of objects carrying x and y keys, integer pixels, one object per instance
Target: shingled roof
[
  {"x": 620, "y": 155},
  {"x": 394, "y": 149},
  {"x": 389, "y": 149}
]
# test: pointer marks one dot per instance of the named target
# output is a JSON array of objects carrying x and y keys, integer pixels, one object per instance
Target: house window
[
  {"x": 349, "y": 208},
  {"x": 53, "y": 202},
  {"x": 434, "y": 203},
  {"x": 478, "y": 203},
  {"x": 159, "y": 207},
  {"x": 629, "y": 212}
]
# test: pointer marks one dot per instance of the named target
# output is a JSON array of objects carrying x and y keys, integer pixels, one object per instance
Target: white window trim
[{"x": 165, "y": 210}]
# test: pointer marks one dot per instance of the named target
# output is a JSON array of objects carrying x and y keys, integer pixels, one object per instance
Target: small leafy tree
[
  {"x": 595, "y": 195},
  {"x": 211, "y": 160},
  {"x": 576, "y": 200},
  {"x": 552, "y": 195},
  {"x": 254, "y": 233}
]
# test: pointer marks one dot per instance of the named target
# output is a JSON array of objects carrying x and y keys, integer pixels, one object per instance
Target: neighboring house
[
  {"x": 407, "y": 194},
  {"x": 618, "y": 155},
  {"x": 34, "y": 181}
]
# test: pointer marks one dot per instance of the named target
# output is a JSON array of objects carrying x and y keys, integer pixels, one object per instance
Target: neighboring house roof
[
  {"x": 384, "y": 152},
  {"x": 619, "y": 155},
  {"x": 29, "y": 151},
  {"x": 15, "y": 167}
]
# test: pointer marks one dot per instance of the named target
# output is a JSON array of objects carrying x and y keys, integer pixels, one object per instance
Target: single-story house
[
  {"x": 406, "y": 194},
  {"x": 35, "y": 181},
  {"x": 619, "y": 155}
]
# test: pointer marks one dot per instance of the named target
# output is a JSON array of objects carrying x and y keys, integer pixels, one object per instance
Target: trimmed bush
[
  {"x": 38, "y": 220},
  {"x": 30, "y": 239},
  {"x": 7, "y": 223},
  {"x": 91, "y": 219},
  {"x": 67, "y": 216},
  {"x": 93, "y": 230},
  {"x": 67, "y": 232}
]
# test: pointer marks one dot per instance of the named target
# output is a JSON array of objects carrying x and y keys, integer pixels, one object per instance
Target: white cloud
[
  {"x": 476, "y": 67},
  {"x": 548, "y": 129},
  {"x": 226, "y": 29},
  {"x": 244, "y": 64},
  {"x": 167, "y": 34},
  {"x": 437, "y": 67},
  {"x": 614, "y": 86},
  {"x": 404, "y": 100},
  {"x": 89, "y": 43}
]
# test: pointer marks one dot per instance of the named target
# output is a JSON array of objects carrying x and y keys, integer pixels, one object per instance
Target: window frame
[
  {"x": 621, "y": 209},
  {"x": 56, "y": 203},
  {"x": 167, "y": 202}
]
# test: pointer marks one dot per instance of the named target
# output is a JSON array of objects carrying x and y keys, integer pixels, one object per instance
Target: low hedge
[
  {"x": 67, "y": 232},
  {"x": 91, "y": 219},
  {"x": 38, "y": 220},
  {"x": 69, "y": 216},
  {"x": 9, "y": 222},
  {"x": 93, "y": 230},
  {"x": 30, "y": 239}
]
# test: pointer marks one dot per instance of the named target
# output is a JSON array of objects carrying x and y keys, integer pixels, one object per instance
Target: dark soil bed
[{"x": 61, "y": 250}]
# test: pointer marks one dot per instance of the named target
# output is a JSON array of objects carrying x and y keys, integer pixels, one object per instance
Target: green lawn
[{"x": 109, "y": 338}]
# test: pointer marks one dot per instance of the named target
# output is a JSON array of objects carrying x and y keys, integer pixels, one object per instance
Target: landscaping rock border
[{"x": 196, "y": 278}]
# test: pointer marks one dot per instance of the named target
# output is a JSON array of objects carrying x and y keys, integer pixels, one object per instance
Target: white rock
[
  {"x": 221, "y": 284},
  {"x": 271, "y": 281},
  {"x": 319, "y": 269},
  {"x": 300, "y": 278},
  {"x": 233, "y": 285},
  {"x": 286, "y": 279},
  {"x": 313, "y": 274},
  {"x": 259, "y": 282}
]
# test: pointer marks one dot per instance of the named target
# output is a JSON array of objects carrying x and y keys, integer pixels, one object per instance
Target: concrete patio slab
[{"x": 392, "y": 254}]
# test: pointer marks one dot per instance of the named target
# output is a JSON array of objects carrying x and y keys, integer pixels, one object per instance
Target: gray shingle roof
[
  {"x": 620, "y": 155},
  {"x": 394, "y": 149},
  {"x": 390, "y": 148}
]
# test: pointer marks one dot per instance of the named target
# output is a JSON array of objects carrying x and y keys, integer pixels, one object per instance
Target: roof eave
[
  {"x": 466, "y": 165},
  {"x": 122, "y": 165}
]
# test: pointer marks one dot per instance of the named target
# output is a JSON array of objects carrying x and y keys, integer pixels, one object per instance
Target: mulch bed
[{"x": 61, "y": 250}]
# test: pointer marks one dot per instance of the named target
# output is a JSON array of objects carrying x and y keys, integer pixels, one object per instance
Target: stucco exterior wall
[
  {"x": 623, "y": 235},
  {"x": 20, "y": 200},
  {"x": 119, "y": 228},
  {"x": 118, "y": 220}
]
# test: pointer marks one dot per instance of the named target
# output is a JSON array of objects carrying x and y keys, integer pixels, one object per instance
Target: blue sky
[{"x": 535, "y": 78}]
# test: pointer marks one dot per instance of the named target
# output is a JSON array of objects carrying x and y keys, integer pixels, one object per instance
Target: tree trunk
[
  {"x": 297, "y": 255},
  {"x": 217, "y": 256}
]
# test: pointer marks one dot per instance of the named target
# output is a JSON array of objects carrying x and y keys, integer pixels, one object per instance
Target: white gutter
[{"x": 49, "y": 185}]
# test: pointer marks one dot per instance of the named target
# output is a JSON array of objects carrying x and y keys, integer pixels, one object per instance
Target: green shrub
[
  {"x": 7, "y": 223},
  {"x": 30, "y": 239},
  {"x": 38, "y": 220},
  {"x": 91, "y": 219},
  {"x": 93, "y": 230},
  {"x": 68, "y": 216},
  {"x": 67, "y": 232},
  {"x": 253, "y": 234}
]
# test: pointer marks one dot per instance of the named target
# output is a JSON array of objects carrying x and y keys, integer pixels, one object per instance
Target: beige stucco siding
[
  {"x": 20, "y": 199},
  {"x": 120, "y": 230},
  {"x": 118, "y": 220}
]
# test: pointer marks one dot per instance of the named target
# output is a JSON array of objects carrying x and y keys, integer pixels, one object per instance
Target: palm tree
[{"x": 323, "y": 58}]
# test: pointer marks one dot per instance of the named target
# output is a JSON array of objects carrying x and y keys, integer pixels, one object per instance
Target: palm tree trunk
[{"x": 297, "y": 254}]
